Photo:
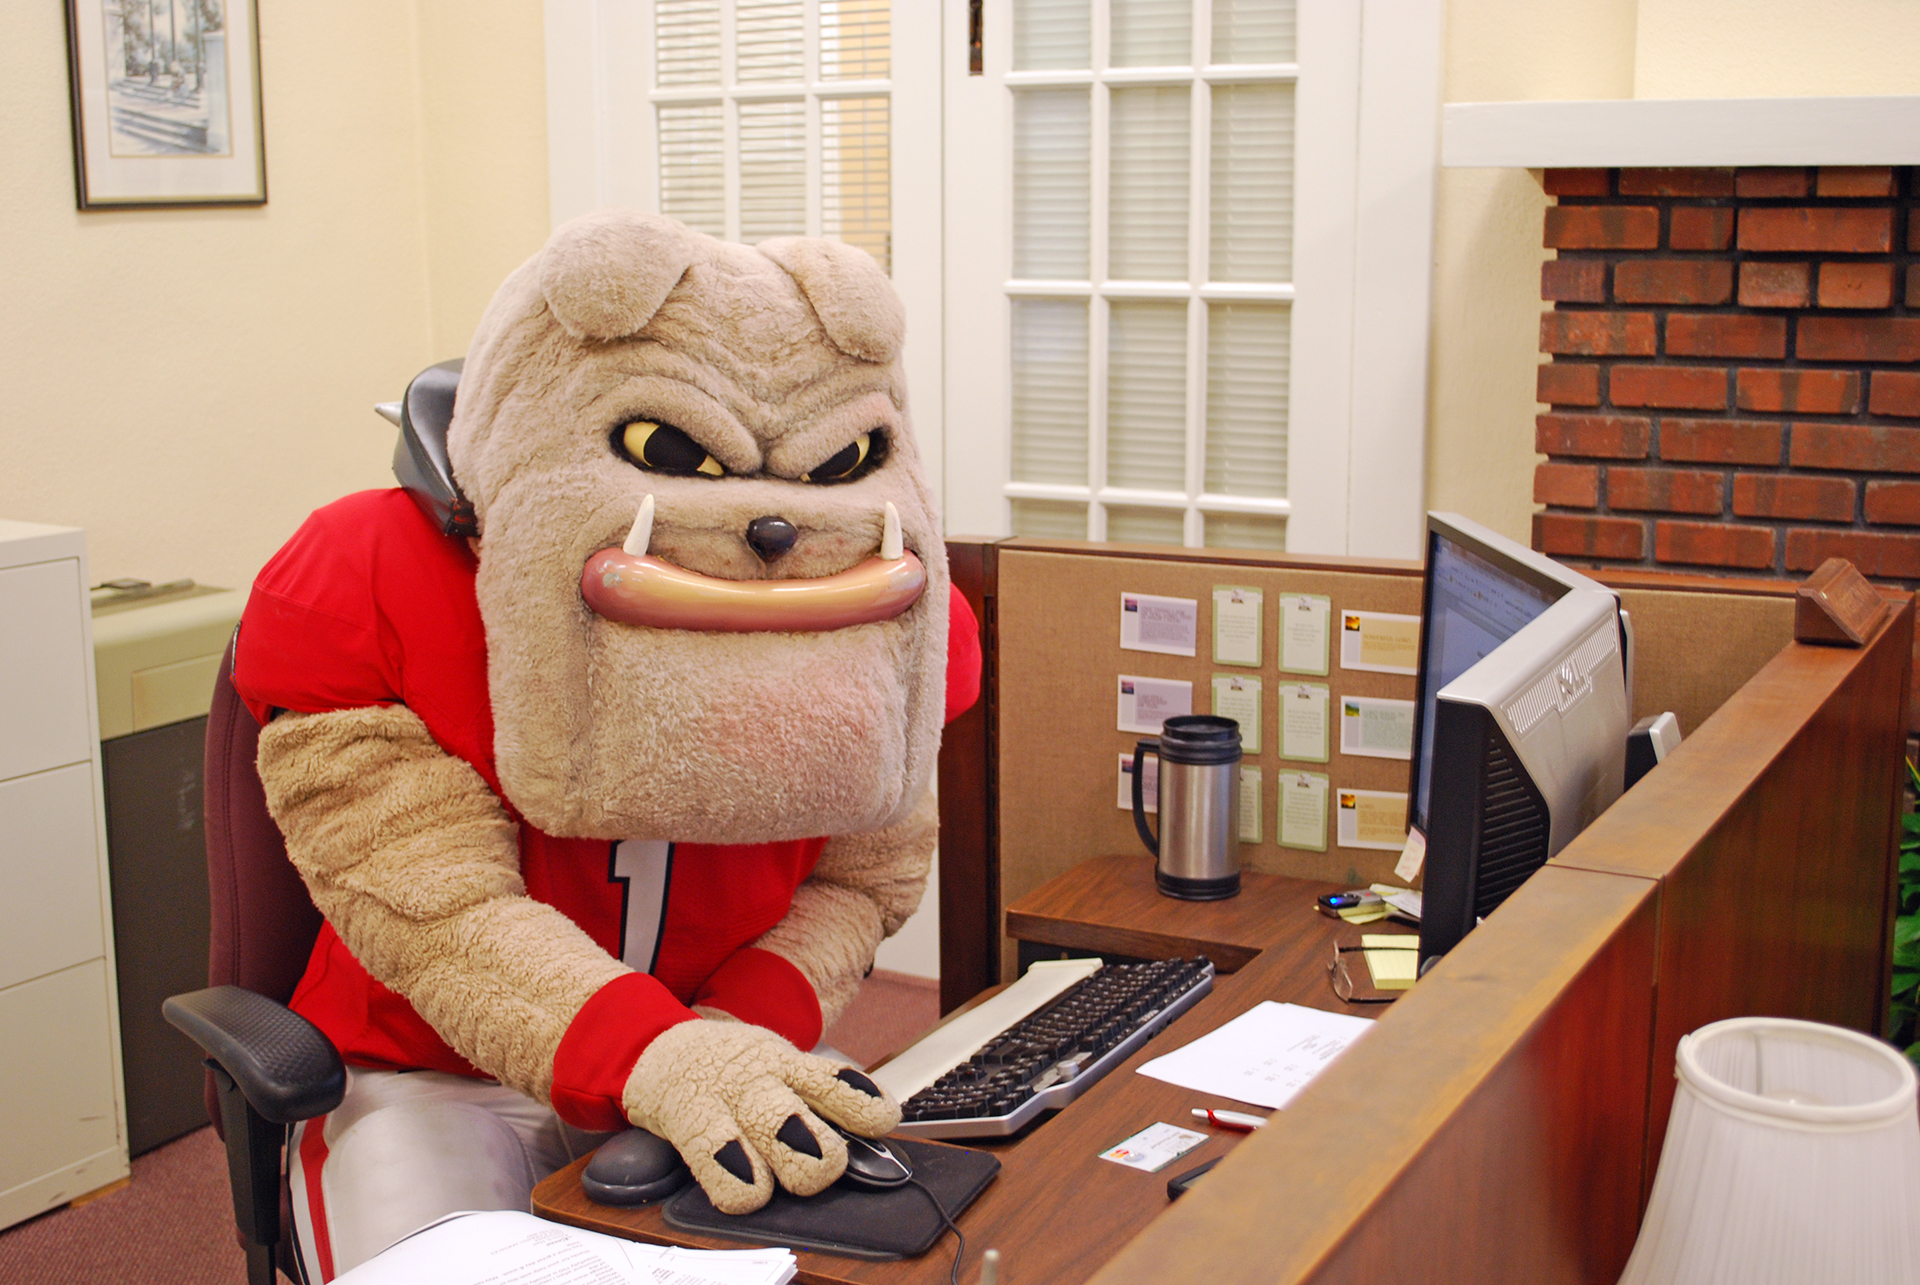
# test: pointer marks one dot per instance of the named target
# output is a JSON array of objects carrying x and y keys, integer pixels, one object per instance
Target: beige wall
[
  {"x": 188, "y": 384},
  {"x": 1487, "y": 247}
]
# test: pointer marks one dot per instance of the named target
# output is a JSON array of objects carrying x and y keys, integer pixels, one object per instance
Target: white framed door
[
  {"x": 1188, "y": 271},
  {"x": 750, "y": 119}
]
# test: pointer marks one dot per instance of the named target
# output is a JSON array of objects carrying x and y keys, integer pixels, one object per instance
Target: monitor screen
[{"x": 1473, "y": 606}]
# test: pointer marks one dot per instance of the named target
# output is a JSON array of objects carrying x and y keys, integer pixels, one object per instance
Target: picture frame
[{"x": 166, "y": 103}]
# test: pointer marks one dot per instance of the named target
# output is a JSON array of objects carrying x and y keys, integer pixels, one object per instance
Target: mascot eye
[
  {"x": 861, "y": 456},
  {"x": 664, "y": 448}
]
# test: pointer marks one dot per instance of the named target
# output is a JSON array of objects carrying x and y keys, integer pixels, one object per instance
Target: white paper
[
  {"x": 1304, "y": 621},
  {"x": 1154, "y": 1147},
  {"x": 1412, "y": 857},
  {"x": 1236, "y": 625},
  {"x": 1264, "y": 1056},
  {"x": 1303, "y": 721},
  {"x": 1149, "y": 787},
  {"x": 1303, "y": 810},
  {"x": 1380, "y": 641},
  {"x": 1375, "y": 727},
  {"x": 1372, "y": 819},
  {"x": 1149, "y": 622},
  {"x": 1237, "y": 696},
  {"x": 1146, "y": 703},
  {"x": 507, "y": 1247}
]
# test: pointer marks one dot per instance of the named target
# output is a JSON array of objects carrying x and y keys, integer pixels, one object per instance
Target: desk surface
[
  {"x": 1111, "y": 906},
  {"x": 1057, "y": 1211}
]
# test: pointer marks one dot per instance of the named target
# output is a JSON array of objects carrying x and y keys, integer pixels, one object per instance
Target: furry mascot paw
[{"x": 734, "y": 1100}]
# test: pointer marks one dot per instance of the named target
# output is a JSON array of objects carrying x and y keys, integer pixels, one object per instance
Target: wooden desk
[
  {"x": 1057, "y": 1211},
  {"x": 1110, "y": 906}
]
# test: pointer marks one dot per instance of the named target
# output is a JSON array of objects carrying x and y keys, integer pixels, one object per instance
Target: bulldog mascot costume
[{"x": 608, "y": 807}]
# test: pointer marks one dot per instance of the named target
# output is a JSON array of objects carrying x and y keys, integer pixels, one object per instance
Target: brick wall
[{"x": 1734, "y": 383}]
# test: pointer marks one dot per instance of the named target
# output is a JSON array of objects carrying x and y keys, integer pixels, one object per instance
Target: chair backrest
[{"x": 262, "y": 921}]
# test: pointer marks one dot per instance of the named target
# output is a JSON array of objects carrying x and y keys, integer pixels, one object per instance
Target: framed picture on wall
[{"x": 166, "y": 103}]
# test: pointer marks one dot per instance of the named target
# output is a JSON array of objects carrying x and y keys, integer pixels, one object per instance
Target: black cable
[{"x": 960, "y": 1251}]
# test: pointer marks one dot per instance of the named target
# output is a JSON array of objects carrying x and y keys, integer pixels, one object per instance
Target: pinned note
[
  {"x": 1237, "y": 696},
  {"x": 1304, "y": 632},
  {"x": 1149, "y": 622},
  {"x": 1146, "y": 703},
  {"x": 1236, "y": 625},
  {"x": 1149, "y": 785},
  {"x": 1303, "y": 721},
  {"x": 1371, "y": 819},
  {"x": 1250, "y": 828},
  {"x": 1373, "y": 727},
  {"x": 1379, "y": 641},
  {"x": 1303, "y": 810}
]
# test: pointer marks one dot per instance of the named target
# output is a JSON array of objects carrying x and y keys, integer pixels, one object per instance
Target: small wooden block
[{"x": 1836, "y": 605}]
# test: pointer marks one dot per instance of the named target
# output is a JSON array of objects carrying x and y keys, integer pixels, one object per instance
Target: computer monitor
[{"x": 1521, "y": 715}]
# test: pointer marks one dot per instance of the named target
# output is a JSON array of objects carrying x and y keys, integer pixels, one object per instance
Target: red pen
[{"x": 1238, "y": 1121}]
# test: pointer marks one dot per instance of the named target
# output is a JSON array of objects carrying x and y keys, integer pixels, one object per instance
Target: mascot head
[{"x": 711, "y": 571}]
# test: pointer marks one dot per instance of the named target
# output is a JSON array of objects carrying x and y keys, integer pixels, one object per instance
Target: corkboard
[{"x": 1059, "y": 655}]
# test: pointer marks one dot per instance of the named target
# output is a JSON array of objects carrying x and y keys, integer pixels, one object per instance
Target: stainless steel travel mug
[{"x": 1198, "y": 846}]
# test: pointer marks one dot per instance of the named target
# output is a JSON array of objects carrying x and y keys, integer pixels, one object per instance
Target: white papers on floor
[
  {"x": 506, "y": 1247},
  {"x": 1262, "y": 1057}
]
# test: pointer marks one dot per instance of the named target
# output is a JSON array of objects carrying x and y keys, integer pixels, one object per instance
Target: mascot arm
[
  {"x": 862, "y": 889},
  {"x": 411, "y": 858},
  {"x": 734, "y": 1097}
]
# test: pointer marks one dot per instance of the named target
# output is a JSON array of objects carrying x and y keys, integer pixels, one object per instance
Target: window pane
[
  {"x": 856, "y": 169},
  {"x": 1252, "y": 230},
  {"x": 1147, "y": 396},
  {"x": 1052, "y": 34},
  {"x": 855, "y": 43},
  {"x": 1152, "y": 33},
  {"x": 1051, "y": 183},
  {"x": 1050, "y": 391},
  {"x": 1245, "y": 531},
  {"x": 1147, "y": 198},
  {"x": 773, "y": 170},
  {"x": 1146, "y": 526},
  {"x": 770, "y": 40},
  {"x": 693, "y": 167},
  {"x": 1252, "y": 31},
  {"x": 1050, "y": 519},
  {"x": 686, "y": 42},
  {"x": 1247, "y": 399}
]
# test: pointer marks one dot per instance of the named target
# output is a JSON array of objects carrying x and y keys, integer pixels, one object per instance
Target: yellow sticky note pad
[{"x": 1393, "y": 959}]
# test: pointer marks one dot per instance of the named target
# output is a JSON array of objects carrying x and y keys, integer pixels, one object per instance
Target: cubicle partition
[{"x": 1503, "y": 1120}]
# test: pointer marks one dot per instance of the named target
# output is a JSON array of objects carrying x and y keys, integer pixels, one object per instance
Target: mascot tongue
[{"x": 629, "y": 586}]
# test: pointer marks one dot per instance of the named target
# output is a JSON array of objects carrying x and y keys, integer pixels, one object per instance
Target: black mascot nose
[{"x": 771, "y": 537}]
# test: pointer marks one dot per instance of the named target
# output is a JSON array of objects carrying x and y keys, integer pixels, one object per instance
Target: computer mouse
[
  {"x": 634, "y": 1168},
  {"x": 871, "y": 1164}
]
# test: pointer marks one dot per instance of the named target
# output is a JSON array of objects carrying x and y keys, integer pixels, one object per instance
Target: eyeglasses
[{"x": 1343, "y": 980}]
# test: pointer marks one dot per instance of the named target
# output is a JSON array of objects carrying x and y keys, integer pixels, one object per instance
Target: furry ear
[
  {"x": 850, "y": 294},
  {"x": 604, "y": 275}
]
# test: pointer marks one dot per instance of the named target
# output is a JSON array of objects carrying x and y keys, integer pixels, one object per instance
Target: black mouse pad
[{"x": 847, "y": 1220}]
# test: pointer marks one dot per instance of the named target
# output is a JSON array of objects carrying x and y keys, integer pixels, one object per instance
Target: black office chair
[{"x": 267, "y": 1067}]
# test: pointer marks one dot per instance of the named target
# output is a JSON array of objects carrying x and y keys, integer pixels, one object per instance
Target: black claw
[
  {"x": 848, "y": 1076},
  {"x": 795, "y": 1134},
  {"x": 733, "y": 1158}
]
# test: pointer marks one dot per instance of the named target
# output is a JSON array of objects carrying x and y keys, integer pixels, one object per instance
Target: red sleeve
[
  {"x": 760, "y": 987},
  {"x": 963, "y": 656},
  {"x": 604, "y": 1040}
]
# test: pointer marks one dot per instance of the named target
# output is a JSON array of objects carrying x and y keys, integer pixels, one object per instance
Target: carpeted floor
[{"x": 173, "y": 1225}]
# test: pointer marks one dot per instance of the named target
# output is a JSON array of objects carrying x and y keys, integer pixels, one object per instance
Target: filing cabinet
[{"x": 62, "y": 1111}]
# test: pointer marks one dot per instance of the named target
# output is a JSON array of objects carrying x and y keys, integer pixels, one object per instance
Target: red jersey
[{"x": 369, "y": 604}]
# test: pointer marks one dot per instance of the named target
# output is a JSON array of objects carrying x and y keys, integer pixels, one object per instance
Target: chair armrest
[{"x": 284, "y": 1067}]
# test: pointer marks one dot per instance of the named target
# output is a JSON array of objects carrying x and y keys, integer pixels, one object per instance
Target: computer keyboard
[{"x": 990, "y": 1078}]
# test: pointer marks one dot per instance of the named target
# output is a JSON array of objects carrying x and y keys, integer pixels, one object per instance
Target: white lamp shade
[{"x": 1792, "y": 1155}]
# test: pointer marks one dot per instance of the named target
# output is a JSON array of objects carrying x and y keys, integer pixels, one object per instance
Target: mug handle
[{"x": 1140, "y": 752}]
